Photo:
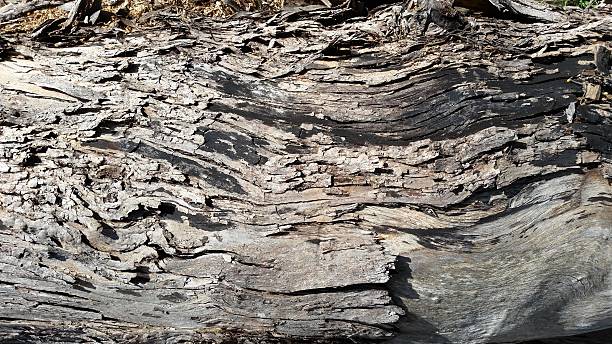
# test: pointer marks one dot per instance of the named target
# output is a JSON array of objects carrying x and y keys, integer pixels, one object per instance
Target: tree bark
[{"x": 305, "y": 176}]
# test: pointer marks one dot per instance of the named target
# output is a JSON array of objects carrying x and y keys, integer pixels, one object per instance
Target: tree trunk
[{"x": 309, "y": 176}]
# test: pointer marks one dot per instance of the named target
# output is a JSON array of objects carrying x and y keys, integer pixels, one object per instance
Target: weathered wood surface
[
  {"x": 307, "y": 177},
  {"x": 13, "y": 10}
]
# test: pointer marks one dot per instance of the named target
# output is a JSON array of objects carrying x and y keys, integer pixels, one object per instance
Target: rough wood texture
[{"x": 307, "y": 177}]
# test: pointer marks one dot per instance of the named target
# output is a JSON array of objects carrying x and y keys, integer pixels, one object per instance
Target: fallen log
[{"x": 311, "y": 175}]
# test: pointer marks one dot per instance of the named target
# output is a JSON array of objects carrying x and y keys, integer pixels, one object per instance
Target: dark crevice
[{"x": 359, "y": 287}]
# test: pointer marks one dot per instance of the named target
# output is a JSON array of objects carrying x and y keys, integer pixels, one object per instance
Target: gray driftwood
[{"x": 308, "y": 177}]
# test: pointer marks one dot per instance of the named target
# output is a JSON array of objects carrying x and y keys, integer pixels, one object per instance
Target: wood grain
[{"x": 303, "y": 177}]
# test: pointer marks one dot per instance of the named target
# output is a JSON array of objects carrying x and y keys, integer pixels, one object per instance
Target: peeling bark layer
[{"x": 303, "y": 177}]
